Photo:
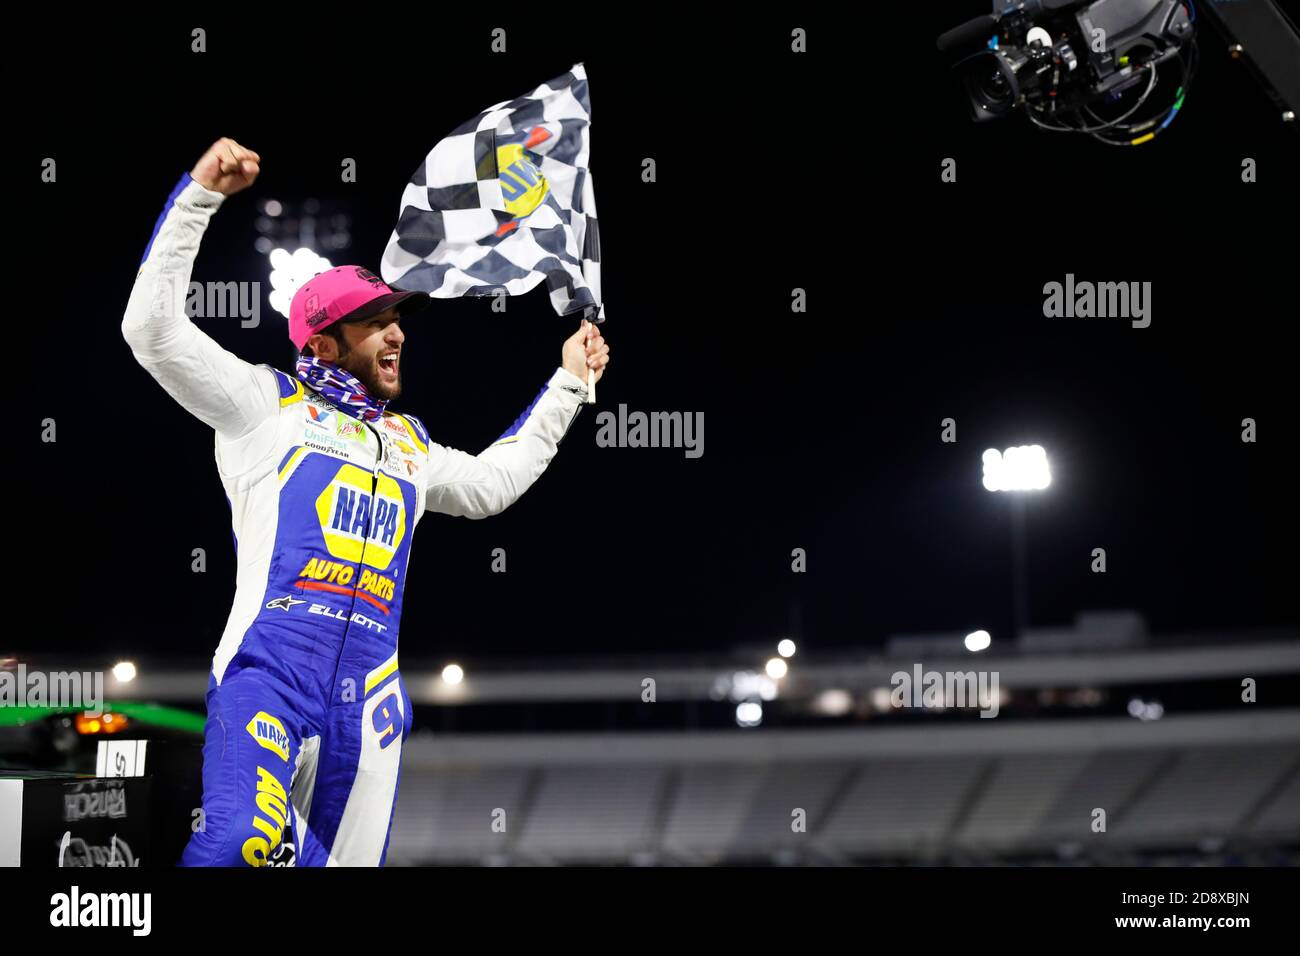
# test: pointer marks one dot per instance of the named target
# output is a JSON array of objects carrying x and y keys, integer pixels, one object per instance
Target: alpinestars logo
[{"x": 285, "y": 603}]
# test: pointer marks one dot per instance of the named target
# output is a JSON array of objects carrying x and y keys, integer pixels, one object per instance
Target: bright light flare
[
  {"x": 124, "y": 672},
  {"x": 1022, "y": 468},
  {"x": 749, "y": 714},
  {"x": 289, "y": 270}
]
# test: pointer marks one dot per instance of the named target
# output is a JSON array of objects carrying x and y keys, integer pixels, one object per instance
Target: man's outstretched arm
[
  {"x": 475, "y": 486},
  {"x": 216, "y": 386}
]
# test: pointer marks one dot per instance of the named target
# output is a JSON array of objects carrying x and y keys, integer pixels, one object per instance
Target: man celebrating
[{"x": 307, "y": 711}]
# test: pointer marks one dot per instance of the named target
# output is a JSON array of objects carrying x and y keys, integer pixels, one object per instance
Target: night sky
[{"x": 822, "y": 430}]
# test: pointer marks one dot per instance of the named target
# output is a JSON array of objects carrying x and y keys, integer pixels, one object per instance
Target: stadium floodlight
[
  {"x": 978, "y": 641},
  {"x": 746, "y": 685},
  {"x": 833, "y": 702},
  {"x": 1018, "y": 469},
  {"x": 1142, "y": 710},
  {"x": 776, "y": 668},
  {"x": 1022, "y": 468},
  {"x": 453, "y": 674},
  {"x": 124, "y": 672},
  {"x": 786, "y": 648},
  {"x": 289, "y": 270},
  {"x": 749, "y": 714}
]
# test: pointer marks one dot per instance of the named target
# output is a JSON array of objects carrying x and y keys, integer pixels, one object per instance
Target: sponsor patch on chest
[{"x": 401, "y": 458}]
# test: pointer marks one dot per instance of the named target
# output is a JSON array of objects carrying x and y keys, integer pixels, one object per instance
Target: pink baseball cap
[{"x": 344, "y": 293}]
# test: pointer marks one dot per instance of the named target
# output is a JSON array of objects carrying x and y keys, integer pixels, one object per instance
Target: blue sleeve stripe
[
  {"x": 419, "y": 428},
  {"x": 162, "y": 216},
  {"x": 288, "y": 455},
  {"x": 288, "y": 386},
  {"x": 519, "y": 422}
]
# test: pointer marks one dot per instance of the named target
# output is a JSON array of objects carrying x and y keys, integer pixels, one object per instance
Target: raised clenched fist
[{"x": 226, "y": 167}]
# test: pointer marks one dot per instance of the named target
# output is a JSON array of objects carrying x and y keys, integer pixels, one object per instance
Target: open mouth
[{"x": 388, "y": 363}]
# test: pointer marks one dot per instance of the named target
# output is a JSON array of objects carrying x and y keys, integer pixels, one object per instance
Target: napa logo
[
  {"x": 523, "y": 187},
  {"x": 361, "y": 525},
  {"x": 269, "y": 733}
]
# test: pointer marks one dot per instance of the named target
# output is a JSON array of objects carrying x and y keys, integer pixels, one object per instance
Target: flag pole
[{"x": 591, "y": 372}]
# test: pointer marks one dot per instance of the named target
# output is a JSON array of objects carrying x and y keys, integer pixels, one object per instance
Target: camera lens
[
  {"x": 990, "y": 84},
  {"x": 995, "y": 88}
]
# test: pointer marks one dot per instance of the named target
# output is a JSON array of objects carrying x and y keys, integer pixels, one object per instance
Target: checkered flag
[{"x": 504, "y": 202}]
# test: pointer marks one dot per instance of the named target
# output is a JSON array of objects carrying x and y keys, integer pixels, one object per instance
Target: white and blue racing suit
[{"x": 307, "y": 711}]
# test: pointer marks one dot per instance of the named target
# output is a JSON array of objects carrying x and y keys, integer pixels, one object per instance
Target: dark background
[{"x": 822, "y": 430}]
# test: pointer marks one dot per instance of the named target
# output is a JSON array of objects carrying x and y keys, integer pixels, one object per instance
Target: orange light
[{"x": 104, "y": 724}]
